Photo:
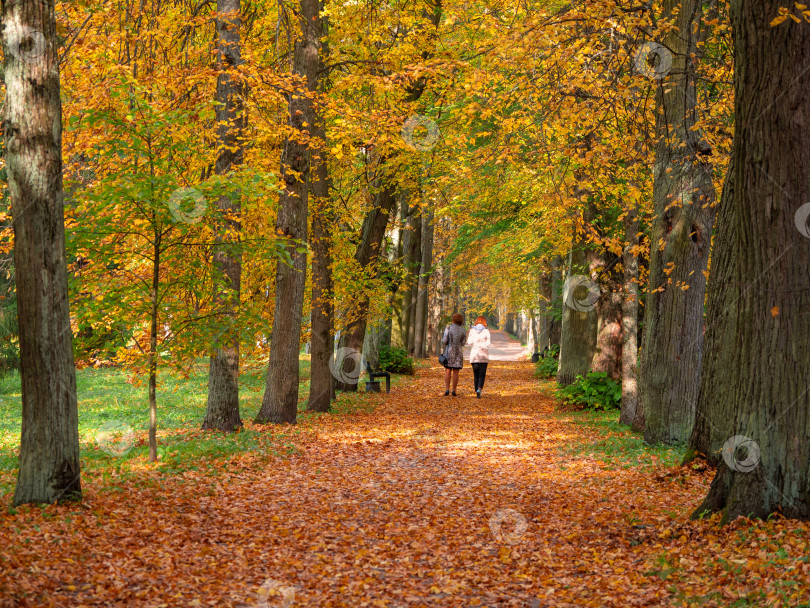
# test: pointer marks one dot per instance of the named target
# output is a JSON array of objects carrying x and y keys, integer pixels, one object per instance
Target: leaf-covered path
[{"x": 426, "y": 501}]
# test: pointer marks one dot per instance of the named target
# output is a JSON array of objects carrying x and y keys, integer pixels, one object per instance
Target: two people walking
[{"x": 454, "y": 341}]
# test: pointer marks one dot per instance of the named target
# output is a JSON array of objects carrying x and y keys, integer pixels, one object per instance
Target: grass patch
[
  {"x": 612, "y": 442},
  {"x": 107, "y": 397},
  {"x": 616, "y": 444}
]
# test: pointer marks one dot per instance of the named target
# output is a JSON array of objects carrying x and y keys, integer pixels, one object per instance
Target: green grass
[
  {"x": 105, "y": 397},
  {"x": 614, "y": 443},
  {"x": 618, "y": 445}
]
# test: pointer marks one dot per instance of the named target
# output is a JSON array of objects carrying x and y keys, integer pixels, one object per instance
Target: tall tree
[
  {"x": 608, "y": 350},
  {"x": 222, "y": 412},
  {"x": 424, "y": 279},
  {"x": 754, "y": 387},
  {"x": 321, "y": 385},
  {"x": 683, "y": 198},
  {"x": 579, "y": 319},
  {"x": 545, "y": 310},
  {"x": 280, "y": 402},
  {"x": 630, "y": 320},
  {"x": 385, "y": 197},
  {"x": 32, "y": 130}
]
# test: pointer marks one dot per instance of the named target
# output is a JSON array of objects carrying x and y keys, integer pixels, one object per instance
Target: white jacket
[{"x": 480, "y": 341}]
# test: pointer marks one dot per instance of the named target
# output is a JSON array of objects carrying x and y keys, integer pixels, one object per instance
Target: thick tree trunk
[
  {"x": 436, "y": 305},
  {"x": 321, "y": 385},
  {"x": 578, "y": 333},
  {"x": 32, "y": 129},
  {"x": 423, "y": 283},
  {"x": 683, "y": 195},
  {"x": 608, "y": 355},
  {"x": 321, "y": 380},
  {"x": 630, "y": 321},
  {"x": 280, "y": 402},
  {"x": 222, "y": 410},
  {"x": 709, "y": 432},
  {"x": 754, "y": 387}
]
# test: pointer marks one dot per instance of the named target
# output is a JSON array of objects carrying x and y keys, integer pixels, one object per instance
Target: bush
[
  {"x": 546, "y": 367},
  {"x": 594, "y": 392},
  {"x": 395, "y": 360}
]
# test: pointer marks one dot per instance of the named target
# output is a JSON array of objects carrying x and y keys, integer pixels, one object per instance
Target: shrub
[
  {"x": 546, "y": 367},
  {"x": 395, "y": 360},
  {"x": 596, "y": 391}
]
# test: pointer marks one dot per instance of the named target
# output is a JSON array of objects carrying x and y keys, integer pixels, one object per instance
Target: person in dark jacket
[{"x": 453, "y": 341}]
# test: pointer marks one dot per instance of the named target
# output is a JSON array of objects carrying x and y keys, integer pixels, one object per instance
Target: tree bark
[
  {"x": 683, "y": 197},
  {"x": 280, "y": 402},
  {"x": 154, "y": 312},
  {"x": 578, "y": 334},
  {"x": 366, "y": 255},
  {"x": 32, "y": 129},
  {"x": 377, "y": 219},
  {"x": 608, "y": 355},
  {"x": 555, "y": 325},
  {"x": 414, "y": 270},
  {"x": 321, "y": 381},
  {"x": 545, "y": 308},
  {"x": 754, "y": 387},
  {"x": 630, "y": 321},
  {"x": 222, "y": 410},
  {"x": 424, "y": 280},
  {"x": 436, "y": 305}
]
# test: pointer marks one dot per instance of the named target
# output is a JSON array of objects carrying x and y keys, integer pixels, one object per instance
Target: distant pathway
[{"x": 503, "y": 348}]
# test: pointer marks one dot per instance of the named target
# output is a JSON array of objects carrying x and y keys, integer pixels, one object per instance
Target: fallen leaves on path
[{"x": 427, "y": 501}]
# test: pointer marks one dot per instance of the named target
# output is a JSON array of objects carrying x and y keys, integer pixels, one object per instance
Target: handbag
[{"x": 443, "y": 357}]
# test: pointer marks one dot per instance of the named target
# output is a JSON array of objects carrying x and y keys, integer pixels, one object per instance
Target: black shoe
[
  {"x": 478, "y": 392},
  {"x": 454, "y": 393},
  {"x": 446, "y": 393}
]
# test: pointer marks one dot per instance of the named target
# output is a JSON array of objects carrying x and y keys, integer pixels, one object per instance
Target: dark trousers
[{"x": 479, "y": 373}]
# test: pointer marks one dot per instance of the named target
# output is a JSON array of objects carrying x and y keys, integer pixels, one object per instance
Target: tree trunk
[
  {"x": 377, "y": 219},
  {"x": 709, "y": 433},
  {"x": 415, "y": 263},
  {"x": 754, "y": 389},
  {"x": 630, "y": 321},
  {"x": 436, "y": 305},
  {"x": 321, "y": 384},
  {"x": 280, "y": 402},
  {"x": 404, "y": 250},
  {"x": 154, "y": 311},
  {"x": 683, "y": 195},
  {"x": 32, "y": 129},
  {"x": 322, "y": 308},
  {"x": 578, "y": 335},
  {"x": 555, "y": 325},
  {"x": 544, "y": 303},
  {"x": 222, "y": 410},
  {"x": 608, "y": 355},
  {"x": 424, "y": 281},
  {"x": 366, "y": 255}
]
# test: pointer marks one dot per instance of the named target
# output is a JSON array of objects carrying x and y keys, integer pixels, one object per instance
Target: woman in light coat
[
  {"x": 479, "y": 339},
  {"x": 453, "y": 342}
]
